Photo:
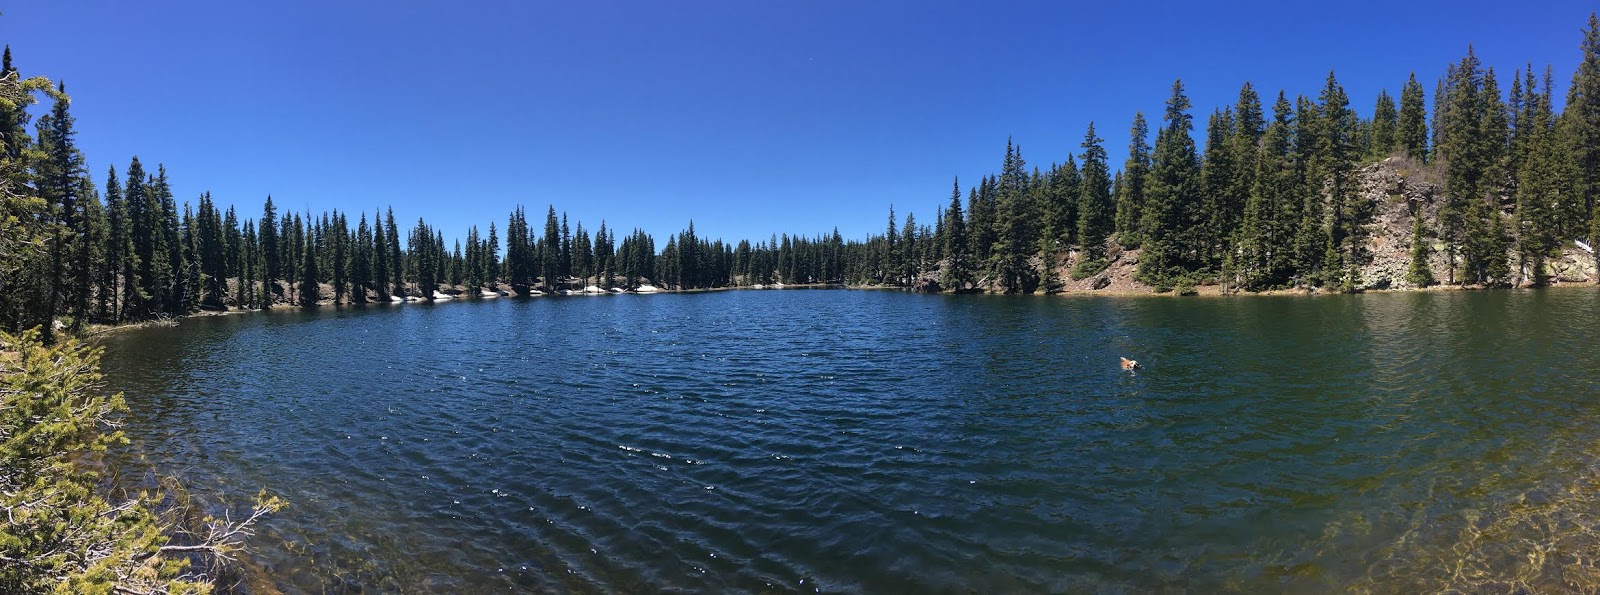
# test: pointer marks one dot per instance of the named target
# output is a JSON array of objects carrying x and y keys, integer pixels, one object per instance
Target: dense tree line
[{"x": 1270, "y": 201}]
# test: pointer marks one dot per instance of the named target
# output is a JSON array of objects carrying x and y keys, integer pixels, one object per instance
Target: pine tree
[
  {"x": 1495, "y": 144},
  {"x": 397, "y": 263},
  {"x": 1474, "y": 146},
  {"x": 910, "y": 252},
  {"x": 1420, "y": 274},
  {"x": 582, "y": 256},
  {"x": 474, "y": 275},
  {"x": 491, "y": 256},
  {"x": 1411, "y": 133},
  {"x": 890, "y": 255},
  {"x": 271, "y": 253},
  {"x": 604, "y": 255},
  {"x": 247, "y": 269},
  {"x": 57, "y": 180},
  {"x": 551, "y": 251},
  {"x": 361, "y": 262},
  {"x": 564, "y": 259},
  {"x": 25, "y": 219},
  {"x": 1049, "y": 256},
  {"x": 146, "y": 238},
  {"x": 1244, "y": 147},
  {"x": 421, "y": 258},
  {"x": 213, "y": 278},
  {"x": 1096, "y": 212},
  {"x": 1333, "y": 167},
  {"x": 171, "y": 278},
  {"x": 1271, "y": 213},
  {"x": 189, "y": 297},
  {"x": 1459, "y": 146},
  {"x": 310, "y": 291},
  {"x": 1581, "y": 124},
  {"x": 1059, "y": 199},
  {"x": 1174, "y": 188},
  {"x": 88, "y": 254},
  {"x": 233, "y": 246},
  {"x": 456, "y": 264},
  {"x": 981, "y": 221},
  {"x": 290, "y": 240},
  {"x": 955, "y": 237},
  {"x": 339, "y": 253},
  {"x": 1541, "y": 179},
  {"x": 381, "y": 264},
  {"x": 1311, "y": 240},
  {"x": 1130, "y": 190},
  {"x": 519, "y": 253},
  {"x": 1014, "y": 236},
  {"x": 118, "y": 250},
  {"x": 1385, "y": 125},
  {"x": 1219, "y": 207}
]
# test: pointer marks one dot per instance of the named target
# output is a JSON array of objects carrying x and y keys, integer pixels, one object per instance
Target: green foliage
[
  {"x": 957, "y": 273},
  {"x": 1333, "y": 167},
  {"x": 1220, "y": 207},
  {"x": 550, "y": 250},
  {"x": 1385, "y": 125},
  {"x": 62, "y": 535},
  {"x": 1581, "y": 124},
  {"x": 1267, "y": 205},
  {"x": 1418, "y": 273},
  {"x": 1473, "y": 144},
  {"x": 1049, "y": 260},
  {"x": 1096, "y": 212},
  {"x": 1411, "y": 133},
  {"x": 1088, "y": 268},
  {"x": 1130, "y": 185},
  {"x": 1543, "y": 176},
  {"x": 1173, "y": 194},
  {"x": 1272, "y": 213},
  {"x": 1017, "y": 213}
]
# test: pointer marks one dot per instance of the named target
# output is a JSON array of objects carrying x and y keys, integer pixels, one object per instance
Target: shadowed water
[{"x": 878, "y": 441}]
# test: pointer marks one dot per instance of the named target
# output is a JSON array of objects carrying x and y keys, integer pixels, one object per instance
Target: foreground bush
[{"x": 61, "y": 533}]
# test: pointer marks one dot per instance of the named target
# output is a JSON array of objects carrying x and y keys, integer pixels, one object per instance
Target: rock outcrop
[{"x": 1400, "y": 189}]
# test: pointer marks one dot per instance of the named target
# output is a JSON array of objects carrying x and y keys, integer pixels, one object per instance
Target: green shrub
[
  {"x": 62, "y": 533},
  {"x": 1088, "y": 268}
]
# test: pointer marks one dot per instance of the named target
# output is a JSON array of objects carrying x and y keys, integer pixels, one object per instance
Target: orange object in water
[{"x": 1128, "y": 364}]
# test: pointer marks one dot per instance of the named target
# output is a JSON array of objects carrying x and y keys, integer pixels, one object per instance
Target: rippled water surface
[{"x": 879, "y": 441}]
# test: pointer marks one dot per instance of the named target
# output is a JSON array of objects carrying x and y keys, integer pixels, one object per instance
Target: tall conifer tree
[
  {"x": 1411, "y": 132},
  {"x": 1130, "y": 191},
  {"x": 1096, "y": 212},
  {"x": 1174, "y": 188}
]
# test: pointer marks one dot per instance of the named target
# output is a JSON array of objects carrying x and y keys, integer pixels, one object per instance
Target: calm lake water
[{"x": 889, "y": 442}]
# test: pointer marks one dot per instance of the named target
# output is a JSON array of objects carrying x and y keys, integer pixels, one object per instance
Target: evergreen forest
[{"x": 1268, "y": 200}]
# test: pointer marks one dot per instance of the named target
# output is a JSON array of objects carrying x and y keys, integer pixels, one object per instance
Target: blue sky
[{"x": 749, "y": 117}]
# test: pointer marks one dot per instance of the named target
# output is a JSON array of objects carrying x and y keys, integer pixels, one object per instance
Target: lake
[{"x": 879, "y": 441}]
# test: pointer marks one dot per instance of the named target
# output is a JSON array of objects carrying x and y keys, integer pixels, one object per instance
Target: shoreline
[{"x": 95, "y": 331}]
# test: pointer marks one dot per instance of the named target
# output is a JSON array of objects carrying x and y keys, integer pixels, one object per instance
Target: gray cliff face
[{"x": 1400, "y": 189}]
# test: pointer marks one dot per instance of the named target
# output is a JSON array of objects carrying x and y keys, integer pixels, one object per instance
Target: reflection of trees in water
[{"x": 1378, "y": 442}]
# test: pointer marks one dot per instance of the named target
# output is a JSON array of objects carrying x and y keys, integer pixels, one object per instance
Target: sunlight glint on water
[{"x": 878, "y": 441}]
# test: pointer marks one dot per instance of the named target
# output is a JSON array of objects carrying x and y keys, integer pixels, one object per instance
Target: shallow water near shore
[{"x": 883, "y": 441}]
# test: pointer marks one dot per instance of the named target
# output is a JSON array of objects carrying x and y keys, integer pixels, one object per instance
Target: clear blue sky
[{"x": 749, "y": 117}]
